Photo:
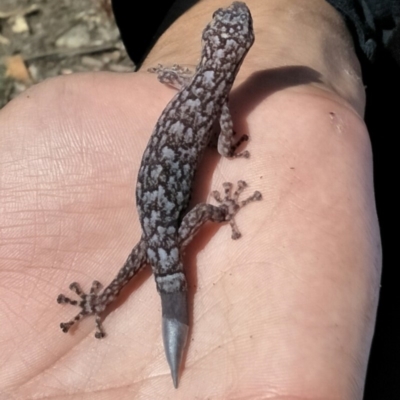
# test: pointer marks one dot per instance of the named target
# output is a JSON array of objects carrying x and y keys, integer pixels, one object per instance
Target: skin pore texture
[{"x": 287, "y": 312}]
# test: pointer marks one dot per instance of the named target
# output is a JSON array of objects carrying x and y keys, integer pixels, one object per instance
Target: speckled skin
[{"x": 183, "y": 131}]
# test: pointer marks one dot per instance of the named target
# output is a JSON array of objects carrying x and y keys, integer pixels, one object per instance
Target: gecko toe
[
  {"x": 65, "y": 326},
  {"x": 236, "y": 235},
  {"x": 61, "y": 299}
]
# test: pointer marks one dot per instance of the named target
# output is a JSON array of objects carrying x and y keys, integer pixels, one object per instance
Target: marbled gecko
[{"x": 183, "y": 131}]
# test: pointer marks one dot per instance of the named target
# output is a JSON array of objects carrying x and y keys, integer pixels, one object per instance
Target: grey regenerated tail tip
[
  {"x": 174, "y": 335},
  {"x": 175, "y": 328}
]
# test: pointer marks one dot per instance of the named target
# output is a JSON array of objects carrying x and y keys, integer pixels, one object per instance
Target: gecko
[{"x": 182, "y": 133}]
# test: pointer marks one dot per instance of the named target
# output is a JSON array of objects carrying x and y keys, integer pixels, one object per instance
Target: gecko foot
[
  {"x": 175, "y": 76},
  {"x": 232, "y": 203},
  {"x": 88, "y": 305}
]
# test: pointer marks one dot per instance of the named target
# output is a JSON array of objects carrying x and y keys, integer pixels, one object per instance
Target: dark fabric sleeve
[{"x": 374, "y": 24}]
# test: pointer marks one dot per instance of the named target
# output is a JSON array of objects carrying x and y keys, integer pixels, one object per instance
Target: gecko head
[{"x": 229, "y": 35}]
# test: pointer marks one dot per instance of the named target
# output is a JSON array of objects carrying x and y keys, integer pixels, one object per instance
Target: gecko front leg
[
  {"x": 176, "y": 76},
  {"x": 226, "y": 142}
]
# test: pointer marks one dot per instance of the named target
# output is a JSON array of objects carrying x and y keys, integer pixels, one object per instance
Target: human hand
[{"x": 286, "y": 310}]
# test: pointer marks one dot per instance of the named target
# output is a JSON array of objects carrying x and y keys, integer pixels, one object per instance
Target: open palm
[{"x": 287, "y": 310}]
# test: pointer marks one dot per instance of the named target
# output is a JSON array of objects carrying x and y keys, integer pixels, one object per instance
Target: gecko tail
[{"x": 175, "y": 328}]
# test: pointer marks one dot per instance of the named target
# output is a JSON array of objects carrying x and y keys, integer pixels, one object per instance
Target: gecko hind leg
[
  {"x": 96, "y": 302},
  {"x": 232, "y": 203},
  {"x": 86, "y": 305},
  {"x": 226, "y": 211}
]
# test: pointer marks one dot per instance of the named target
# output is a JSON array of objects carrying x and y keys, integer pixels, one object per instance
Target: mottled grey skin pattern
[{"x": 183, "y": 131}]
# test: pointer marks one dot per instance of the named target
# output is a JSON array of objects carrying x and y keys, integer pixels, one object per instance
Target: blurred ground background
[{"x": 44, "y": 38}]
